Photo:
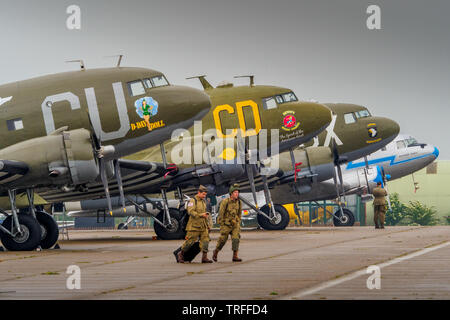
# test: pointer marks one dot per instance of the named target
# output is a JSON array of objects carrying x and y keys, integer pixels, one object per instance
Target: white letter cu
[
  {"x": 374, "y": 281},
  {"x": 374, "y": 21},
  {"x": 74, "y": 20},
  {"x": 74, "y": 281}
]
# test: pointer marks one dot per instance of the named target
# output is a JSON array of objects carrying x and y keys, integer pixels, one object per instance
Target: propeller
[
  {"x": 100, "y": 153},
  {"x": 243, "y": 151},
  {"x": 338, "y": 160}
]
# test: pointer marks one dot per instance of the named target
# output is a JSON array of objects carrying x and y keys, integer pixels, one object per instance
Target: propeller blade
[
  {"x": 251, "y": 180},
  {"x": 105, "y": 184},
  {"x": 118, "y": 175}
]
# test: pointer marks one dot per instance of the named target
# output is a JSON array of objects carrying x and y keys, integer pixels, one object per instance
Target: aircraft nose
[
  {"x": 192, "y": 103},
  {"x": 389, "y": 128},
  {"x": 436, "y": 152}
]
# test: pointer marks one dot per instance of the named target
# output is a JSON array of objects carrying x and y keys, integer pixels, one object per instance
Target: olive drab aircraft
[
  {"x": 238, "y": 112},
  {"x": 64, "y": 131},
  {"x": 298, "y": 168}
]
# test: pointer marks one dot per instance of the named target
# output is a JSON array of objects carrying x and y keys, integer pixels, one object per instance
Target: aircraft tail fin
[{"x": 206, "y": 85}]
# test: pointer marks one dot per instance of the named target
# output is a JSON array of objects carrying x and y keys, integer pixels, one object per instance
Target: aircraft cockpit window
[
  {"x": 148, "y": 84},
  {"x": 160, "y": 81},
  {"x": 289, "y": 97},
  {"x": 401, "y": 144},
  {"x": 411, "y": 142},
  {"x": 279, "y": 99},
  {"x": 136, "y": 88},
  {"x": 362, "y": 114},
  {"x": 269, "y": 103},
  {"x": 349, "y": 118}
]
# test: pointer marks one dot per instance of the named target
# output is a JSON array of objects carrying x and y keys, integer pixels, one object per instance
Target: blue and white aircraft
[{"x": 403, "y": 156}]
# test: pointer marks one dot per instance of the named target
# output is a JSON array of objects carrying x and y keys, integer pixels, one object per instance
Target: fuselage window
[
  {"x": 401, "y": 144},
  {"x": 136, "y": 88},
  {"x": 269, "y": 103},
  {"x": 349, "y": 118},
  {"x": 14, "y": 124},
  {"x": 160, "y": 81}
]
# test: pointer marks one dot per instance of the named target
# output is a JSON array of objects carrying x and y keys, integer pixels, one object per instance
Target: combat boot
[
  {"x": 205, "y": 258},
  {"x": 235, "y": 257},
  {"x": 215, "y": 253},
  {"x": 376, "y": 226},
  {"x": 180, "y": 257},
  {"x": 382, "y": 226}
]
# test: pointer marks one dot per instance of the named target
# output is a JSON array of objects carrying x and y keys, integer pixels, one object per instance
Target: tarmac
[{"x": 319, "y": 263}]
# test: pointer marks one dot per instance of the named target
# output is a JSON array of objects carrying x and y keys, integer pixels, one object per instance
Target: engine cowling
[{"x": 65, "y": 158}]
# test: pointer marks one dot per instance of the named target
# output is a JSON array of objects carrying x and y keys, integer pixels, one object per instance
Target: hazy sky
[{"x": 321, "y": 49}]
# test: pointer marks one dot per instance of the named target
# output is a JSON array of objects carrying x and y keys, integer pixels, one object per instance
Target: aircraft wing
[{"x": 135, "y": 176}]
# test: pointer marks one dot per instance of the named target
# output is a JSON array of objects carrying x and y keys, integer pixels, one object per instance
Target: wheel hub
[
  {"x": 23, "y": 236},
  {"x": 344, "y": 218},
  {"x": 173, "y": 227},
  {"x": 276, "y": 219}
]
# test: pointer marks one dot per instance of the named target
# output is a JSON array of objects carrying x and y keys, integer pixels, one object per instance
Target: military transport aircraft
[
  {"x": 401, "y": 157},
  {"x": 244, "y": 111},
  {"x": 54, "y": 128},
  {"x": 310, "y": 164}
]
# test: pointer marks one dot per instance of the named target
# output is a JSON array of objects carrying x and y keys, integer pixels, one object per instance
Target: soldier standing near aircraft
[
  {"x": 198, "y": 225},
  {"x": 379, "y": 204},
  {"x": 230, "y": 222}
]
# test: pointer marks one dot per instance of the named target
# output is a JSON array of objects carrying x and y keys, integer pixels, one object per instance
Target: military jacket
[
  {"x": 379, "y": 194},
  {"x": 230, "y": 212},
  {"x": 195, "y": 208}
]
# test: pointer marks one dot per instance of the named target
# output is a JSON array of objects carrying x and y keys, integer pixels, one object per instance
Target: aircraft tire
[
  {"x": 122, "y": 226},
  {"x": 30, "y": 239},
  {"x": 49, "y": 229},
  {"x": 280, "y": 223},
  {"x": 349, "y": 217},
  {"x": 177, "y": 232}
]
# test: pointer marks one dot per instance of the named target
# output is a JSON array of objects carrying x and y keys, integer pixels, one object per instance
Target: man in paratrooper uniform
[
  {"x": 198, "y": 225},
  {"x": 230, "y": 222}
]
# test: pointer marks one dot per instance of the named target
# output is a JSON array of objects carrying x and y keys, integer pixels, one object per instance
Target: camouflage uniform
[
  {"x": 379, "y": 204},
  {"x": 197, "y": 227},
  {"x": 230, "y": 223}
]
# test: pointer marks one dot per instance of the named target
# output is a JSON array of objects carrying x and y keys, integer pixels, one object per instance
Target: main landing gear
[{"x": 27, "y": 231}]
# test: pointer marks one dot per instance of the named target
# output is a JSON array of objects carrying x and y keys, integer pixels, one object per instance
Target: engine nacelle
[{"x": 66, "y": 158}]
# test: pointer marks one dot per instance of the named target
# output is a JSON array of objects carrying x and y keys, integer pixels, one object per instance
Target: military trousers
[
  {"x": 379, "y": 215},
  {"x": 193, "y": 236},
  {"x": 225, "y": 231}
]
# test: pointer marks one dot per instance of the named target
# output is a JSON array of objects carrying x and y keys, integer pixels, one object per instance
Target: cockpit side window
[
  {"x": 136, "y": 88},
  {"x": 349, "y": 118},
  {"x": 411, "y": 142},
  {"x": 401, "y": 144},
  {"x": 289, "y": 97},
  {"x": 362, "y": 114},
  {"x": 160, "y": 81},
  {"x": 269, "y": 103}
]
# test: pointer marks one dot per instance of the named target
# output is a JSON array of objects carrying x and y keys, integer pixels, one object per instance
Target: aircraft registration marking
[{"x": 240, "y": 113}]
